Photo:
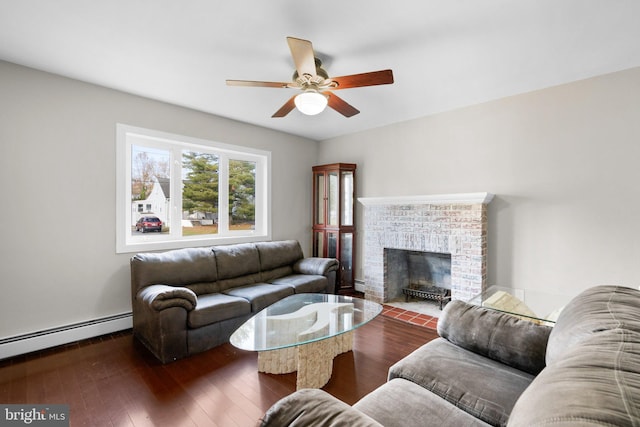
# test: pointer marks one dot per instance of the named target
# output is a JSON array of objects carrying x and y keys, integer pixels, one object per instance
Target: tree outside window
[{"x": 242, "y": 194}]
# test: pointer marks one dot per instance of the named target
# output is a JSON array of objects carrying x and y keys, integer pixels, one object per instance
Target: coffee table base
[{"x": 313, "y": 361}]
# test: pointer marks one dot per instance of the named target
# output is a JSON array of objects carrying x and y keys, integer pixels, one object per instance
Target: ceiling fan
[{"x": 316, "y": 85}]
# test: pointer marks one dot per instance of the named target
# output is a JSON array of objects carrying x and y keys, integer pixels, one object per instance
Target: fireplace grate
[{"x": 433, "y": 293}]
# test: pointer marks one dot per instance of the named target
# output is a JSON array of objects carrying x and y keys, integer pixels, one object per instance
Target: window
[{"x": 175, "y": 191}]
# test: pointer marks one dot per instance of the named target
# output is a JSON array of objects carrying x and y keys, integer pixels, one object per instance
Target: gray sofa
[
  {"x": 186, "y": 301},
  {"x": 490, "y": 368}
]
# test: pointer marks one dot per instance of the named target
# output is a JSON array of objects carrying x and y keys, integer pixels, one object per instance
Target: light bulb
[{"x": 311, "y": 102}]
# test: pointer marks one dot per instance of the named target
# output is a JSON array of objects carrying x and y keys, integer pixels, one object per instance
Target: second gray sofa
[
  {"x": 493, "y": 369},
  {"x": 186, "y": 301}
]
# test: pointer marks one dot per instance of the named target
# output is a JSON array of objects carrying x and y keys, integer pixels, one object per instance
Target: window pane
[
  {"x": 242, "y": 195},
  {"x": 199, "y": 193},
  {"x": 189, "y": 190},
  {"x": 150, "y": 184}
]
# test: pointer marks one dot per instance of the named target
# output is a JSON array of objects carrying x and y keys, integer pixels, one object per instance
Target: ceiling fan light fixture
[{"x": 311, "y": 102}]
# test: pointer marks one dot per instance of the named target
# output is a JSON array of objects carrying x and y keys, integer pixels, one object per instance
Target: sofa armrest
[
  {"x": 316, "y": 265},
  {"x": 313, "y": 407},
  {"x": 508, "y": 339},
  {"x": 160, "y": 297}
]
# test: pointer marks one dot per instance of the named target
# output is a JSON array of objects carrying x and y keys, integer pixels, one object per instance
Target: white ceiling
[{"x": 444, "y": 54}]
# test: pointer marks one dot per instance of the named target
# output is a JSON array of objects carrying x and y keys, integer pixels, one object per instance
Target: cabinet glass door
[
  {"x": 332, "y": 198},
  {"x": 319, "y": 183},
  {"x": 347, "y": 198},
  {"x": 318, "y": 243},
  {"x": 332, "y": 244},
  {"x": 346, "y": 259}
]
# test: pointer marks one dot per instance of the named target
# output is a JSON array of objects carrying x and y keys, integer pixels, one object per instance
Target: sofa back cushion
[
  {"x": 598, "y": 309},
  {"x": 278, "y": 254},
  {"x": 593, "y": 364},
  {"x": 177, "y": 267},
  {"x": 595, "y": 383},
  {"x": 237, "y": 261},
  {"x": 499, "y": 336},
  {"x": 278, "y": 258}
]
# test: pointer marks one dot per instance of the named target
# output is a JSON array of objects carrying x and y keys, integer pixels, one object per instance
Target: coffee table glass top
[
  {"x": 536, "y": 306},
  {"x": 303, "y": 318}
]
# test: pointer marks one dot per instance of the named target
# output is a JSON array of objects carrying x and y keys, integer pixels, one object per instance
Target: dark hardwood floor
[{"x": 114, "y": 381}]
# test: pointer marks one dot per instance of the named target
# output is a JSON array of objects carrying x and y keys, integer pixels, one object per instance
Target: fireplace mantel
[{"x": 434, "y": 199}]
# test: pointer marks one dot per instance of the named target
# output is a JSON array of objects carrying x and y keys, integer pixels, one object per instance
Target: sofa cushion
[
  {"x": 595, "y": 383},
  {"x": 313, "y": 407},
  {"x": 483, "y": 387},
  {"x": 261, "y": 295},
  {"x": 302, "y": 283},
  {"x": 278, "y": 254},
  {"x": 499, "y": 336},
  {"x": 402, "y": 403},
  {"x": 237, "y": 260},
  {"x": 177, "y": 267},
  {"x": 213, "y": 308},
  {"x": 593, "y": 311}
]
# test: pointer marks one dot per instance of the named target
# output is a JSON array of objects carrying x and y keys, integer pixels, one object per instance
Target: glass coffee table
[
  {"x": 304, "y": 333},
  {"x": 536, "y": 306}
]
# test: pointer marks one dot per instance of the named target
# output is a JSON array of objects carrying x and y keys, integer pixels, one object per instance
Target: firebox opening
[{"x": 425, "y": 275}]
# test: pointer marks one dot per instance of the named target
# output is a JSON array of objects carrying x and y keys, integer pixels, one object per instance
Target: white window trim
[{"x": 126, "y": 243}]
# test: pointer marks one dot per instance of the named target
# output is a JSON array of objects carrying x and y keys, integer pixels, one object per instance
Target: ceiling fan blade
[
  {"x": 340, "y": 105},
  {"x": 303, "y": 56},
  {"x": 251, "y": 83},
  {"x": 286, "y": 108},
  {"x": 383, "y": 77}
]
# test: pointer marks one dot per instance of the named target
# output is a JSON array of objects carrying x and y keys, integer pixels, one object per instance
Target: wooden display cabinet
[{"x": 334, "y": 189}]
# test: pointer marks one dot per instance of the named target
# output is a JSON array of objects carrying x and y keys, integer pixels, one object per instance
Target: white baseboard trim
[
  {"x": 358, "y": 285},
  {"x": 27, "y": 343}
]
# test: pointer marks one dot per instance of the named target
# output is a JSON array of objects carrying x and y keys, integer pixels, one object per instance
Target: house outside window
[{"x": 203, "y": 192}]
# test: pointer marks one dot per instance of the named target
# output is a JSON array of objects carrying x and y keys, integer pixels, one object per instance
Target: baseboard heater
[{"x": 40, "y": 340}]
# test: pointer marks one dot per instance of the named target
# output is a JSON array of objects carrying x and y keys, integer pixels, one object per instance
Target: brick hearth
[{"x": 453, "y": 224}]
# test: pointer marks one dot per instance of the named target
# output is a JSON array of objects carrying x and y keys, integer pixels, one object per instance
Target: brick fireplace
[{"x": 454, "y": 224}]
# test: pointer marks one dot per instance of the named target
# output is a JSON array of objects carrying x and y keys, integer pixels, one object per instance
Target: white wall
[
  {"x": 58, "y": 263},
  {"x": 564, "y": 164}
]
